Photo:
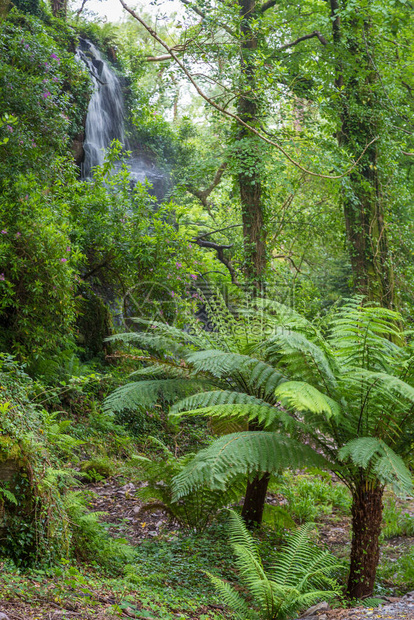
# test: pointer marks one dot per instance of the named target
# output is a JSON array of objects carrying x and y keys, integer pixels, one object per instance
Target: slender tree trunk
[
  {"x": 366, "y": 528},
  {"x": 254, "y": 501},
  {"x": 249, "y": 156},
  {"x": 363, "y": 201}
]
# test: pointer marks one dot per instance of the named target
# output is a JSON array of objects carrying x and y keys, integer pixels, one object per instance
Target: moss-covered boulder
[{"x": 33, "y": 522}]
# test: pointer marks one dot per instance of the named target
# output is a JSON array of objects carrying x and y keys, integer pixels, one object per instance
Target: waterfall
[
  {"x": 105, "y": 122},
  {"x": 105, "y": 117}
]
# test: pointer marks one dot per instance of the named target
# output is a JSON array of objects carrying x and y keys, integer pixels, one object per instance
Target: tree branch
[
  {"x": 203, "y": 195},
  {"x": 203, "y": 243},
  {"x": 158, "y": 58},
  {"x": 234, "y": 116},
  {"x": 268, "y": 5},
  {"x": 313, "y": 34}
]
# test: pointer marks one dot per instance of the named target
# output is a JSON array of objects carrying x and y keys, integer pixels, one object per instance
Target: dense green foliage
[{"x": 162, "y": 357}]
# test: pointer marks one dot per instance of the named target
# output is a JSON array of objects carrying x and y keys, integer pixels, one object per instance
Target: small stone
[
  {"x": 312, "y": 611},
  {"x": 323, "y": 617},
  {"x": 152, "y": 533},
  {"x": 137, "y": 509},
  {"x": 3, "y": 616}
]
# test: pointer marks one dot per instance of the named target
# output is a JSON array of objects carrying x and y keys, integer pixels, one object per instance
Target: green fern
[
  {"x": 198, "y": 508},
  {"x": 300, "y": 575},
  {"x": 251, "y": 453}
]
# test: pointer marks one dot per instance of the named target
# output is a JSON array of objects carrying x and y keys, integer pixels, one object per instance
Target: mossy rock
[
  {"x": 97, "y": 469},
  {"x": 9, "y": 451}
]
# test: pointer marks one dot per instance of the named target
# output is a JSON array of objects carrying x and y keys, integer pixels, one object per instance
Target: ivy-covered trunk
[
  {"x": 366, "y": 528},
  {"x": 249, "y": 154},
  {"x": 361, "y": 122},
  {"x": 249, "y": 149}
]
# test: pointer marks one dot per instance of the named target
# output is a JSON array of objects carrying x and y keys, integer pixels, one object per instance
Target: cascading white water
[
  {"x": 105, "y": 117},
  {"x": 105, "y": 122}
]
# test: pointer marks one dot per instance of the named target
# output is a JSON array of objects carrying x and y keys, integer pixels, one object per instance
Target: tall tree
[{"x": 357, "y": 81}]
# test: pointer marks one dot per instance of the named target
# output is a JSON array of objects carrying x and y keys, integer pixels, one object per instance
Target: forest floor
[{"x": 169, "y": 570}]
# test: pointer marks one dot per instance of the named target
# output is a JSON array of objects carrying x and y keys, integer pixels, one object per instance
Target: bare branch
[
  {"x": 234, "y": 116},
  {"x": 158, "y": 58},
  {"x": 313, "y": 34},
  {"x": 219, "y": 248}
]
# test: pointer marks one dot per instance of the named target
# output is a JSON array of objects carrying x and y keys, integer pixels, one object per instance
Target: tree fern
[{"x": 349, "y": 395}]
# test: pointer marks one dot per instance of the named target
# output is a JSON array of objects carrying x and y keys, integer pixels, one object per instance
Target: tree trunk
[
  {"x": 366, "y": 528},
  {"x": 249, "y": 156},
  {"x": 254, "y": 233},
  {"x": 363, "y": 201},
  {"x": 254, "y": 501}
]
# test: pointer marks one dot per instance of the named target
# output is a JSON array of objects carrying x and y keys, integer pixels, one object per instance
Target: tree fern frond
[
  {"x": 384, "y": 462},
  {"x": 213, "y": 398},
  {"x": 304, "y": 397},
  {"x": 146, "y": 393},
  {"x": 243, "y": 453},
  {"x": 302, "y": 358},
  {"x": 266, "y": 415}
]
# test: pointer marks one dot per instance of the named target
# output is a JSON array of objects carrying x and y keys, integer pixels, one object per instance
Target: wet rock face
[{"x": 77, "y": 148}]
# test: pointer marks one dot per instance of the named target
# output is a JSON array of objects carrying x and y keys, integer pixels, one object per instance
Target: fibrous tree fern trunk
[
  {"x": 366, "y": 528},
  {"x": 254, "y": 500}
]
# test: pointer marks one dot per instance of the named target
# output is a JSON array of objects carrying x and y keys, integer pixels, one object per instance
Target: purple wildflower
[
  {"x": 178, "y": 265},
  {"x": 9, "y": 128},
  {"x": 193, "y": 275},
  {"x": 4, "y": 232},
  {"x": 18, "y": 234},
  {"x": 2, "y": 277},
  {"x": 46, "y": 94},
  {"x": 63, "y": 260}
]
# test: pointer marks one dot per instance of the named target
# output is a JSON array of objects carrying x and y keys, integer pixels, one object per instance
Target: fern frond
[
  {"x": 304, "y": 397},
  {"x": 243, "y": 453},
  {"x": 240, "y": 535},
  {"x": 266, "y": 415},
  {"x": 232, "y": 599},
  {"x": 302, "y": 358},
  {"x": 213, "y": 398},
  {"x": 373, "y": 453},
  {"x": 146, "y": 393}
]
